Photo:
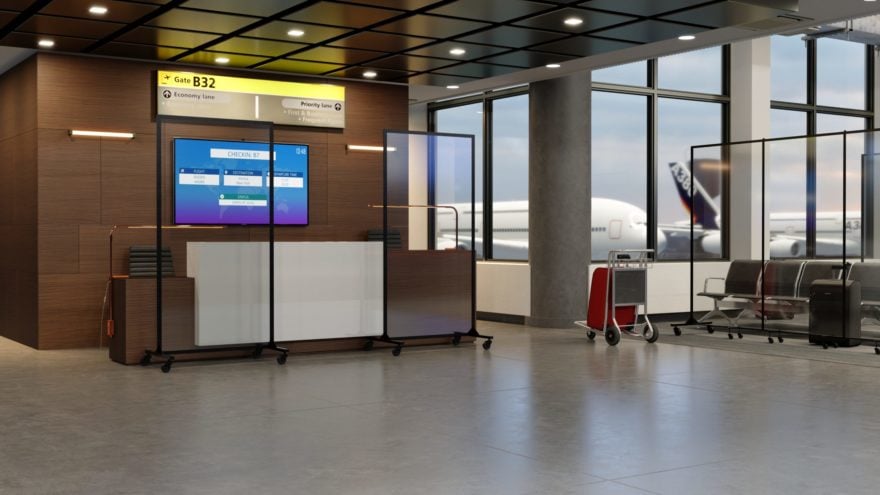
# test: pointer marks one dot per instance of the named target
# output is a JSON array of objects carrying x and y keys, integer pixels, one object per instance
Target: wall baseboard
[{"x": 501, "y": 317}]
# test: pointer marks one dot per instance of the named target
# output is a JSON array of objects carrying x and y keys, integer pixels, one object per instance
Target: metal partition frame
[{"x": 766, "y": 303}]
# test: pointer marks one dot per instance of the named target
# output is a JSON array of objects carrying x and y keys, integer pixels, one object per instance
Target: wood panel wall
[
  {"x": 86, "y": 186},
  {"x": 18, "y": 204}
]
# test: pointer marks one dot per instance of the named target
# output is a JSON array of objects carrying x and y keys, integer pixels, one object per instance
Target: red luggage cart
[{"x": 619, "y": 295}]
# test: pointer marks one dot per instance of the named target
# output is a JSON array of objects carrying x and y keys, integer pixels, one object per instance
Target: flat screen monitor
[{"x": 227, "y": 183}]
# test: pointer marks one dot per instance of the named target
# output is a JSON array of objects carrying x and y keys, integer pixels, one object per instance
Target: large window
[
  {"x": 510, "y": 177},
  {"x": 819, "y": 86},
  {"x": 641, "y": 146}
]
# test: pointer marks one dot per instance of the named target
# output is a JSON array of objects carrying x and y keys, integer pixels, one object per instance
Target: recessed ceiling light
[
  {"x": 45, "y": 43},
  {"x": 296, "y": 33},
  {"x": 686, "y": 37},
  {"x": 457, "y": 51},
  {"x": 553, "y": 66},
  {"x": 453, "y": 86},
  {"x": 370, "y": 74},
  {"x": 97, "y": 10},
  {"x": 222, "y": 60},
  {"x": 573, "y": 21}
]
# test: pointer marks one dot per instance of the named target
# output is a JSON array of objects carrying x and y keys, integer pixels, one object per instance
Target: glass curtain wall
[{"x": 818, "y": 86}]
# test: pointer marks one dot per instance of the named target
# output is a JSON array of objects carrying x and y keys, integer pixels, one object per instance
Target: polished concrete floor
[{"x": 543, "y": 412}]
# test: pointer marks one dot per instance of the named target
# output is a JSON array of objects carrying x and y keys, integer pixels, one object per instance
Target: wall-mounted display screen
[{"x": 227, "y": 183}]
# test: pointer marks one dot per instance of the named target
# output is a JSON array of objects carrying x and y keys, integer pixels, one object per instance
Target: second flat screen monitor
[{"x": 227, "y": 183}]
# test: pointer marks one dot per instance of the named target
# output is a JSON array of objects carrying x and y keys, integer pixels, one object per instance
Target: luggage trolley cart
[{"x": 617, "y": 292}]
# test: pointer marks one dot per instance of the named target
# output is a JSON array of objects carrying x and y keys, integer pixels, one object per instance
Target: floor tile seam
[
  {"x": 622, "y": 479},
  {"x": 409, "y": 402},
  {"x": 801, "y": 358},
  {"x": 600, "y": 479},
  {"x": 637, "y": 488}
]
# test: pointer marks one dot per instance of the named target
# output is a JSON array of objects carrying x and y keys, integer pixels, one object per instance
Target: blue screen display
[{"x": 227, "y": 183}]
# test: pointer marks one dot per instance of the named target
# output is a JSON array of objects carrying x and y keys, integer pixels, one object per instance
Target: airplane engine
[
  {"x": 711, "y": 243},
  {"x": 787, "y": 248}
]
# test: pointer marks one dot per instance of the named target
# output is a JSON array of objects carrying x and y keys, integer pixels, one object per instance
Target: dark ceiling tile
[
  {"x": 300, "y": 66},
  {"x": 253, "y": 46},
  {"x": 442, "y": 50},
  {"x": 437, "y": 79},
  {"x": 16, "y": 5},
  {"x": 647, "y": 31},
  {"x": 116, "y": 11},
  {"x": 477, "y": 70},
  {"x": 724, "y": 14},
  {"x": 640, "y": 7},
  {"x": 512, "y": 37},
  {"x": 133, "y": 50},
  {"x": 583, "y": 46},
  {"x": 344, "y": 56},
  {"x": 6, "y": 17},
  {"x": 528, "y": 59},
  {"x": 167, "y": 37},
  {"x": 62, "y": 26},
  {"x": 396, "y": 4},
  {"x": 382, "y": 74},
  {"x": 235, "y": 59},
  {"x": 277, "y": 30},
  {"x": 259, "y": 8},
  {"x": 381, "y": 41},
  {"x": 491, "y": 10},
  {"x": 592, "y": 20},
  {"x": 334, "y": 14},
  {"x": 413, "y": 64},
  {"x": 432, "y": 26},
  {"x": 62, "y": 43},
  {"x": 196, "y": 20}
]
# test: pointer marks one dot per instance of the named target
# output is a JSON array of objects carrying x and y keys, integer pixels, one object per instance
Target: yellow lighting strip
[{"x": 106, "y": 134}]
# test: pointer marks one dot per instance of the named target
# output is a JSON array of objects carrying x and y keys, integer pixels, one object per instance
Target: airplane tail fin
[{"x": 705, "y": 212}]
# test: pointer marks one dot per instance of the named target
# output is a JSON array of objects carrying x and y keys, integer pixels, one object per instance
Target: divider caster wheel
[
  {"x": 591, "y": 335},
  {"x": 877, "y": 350},
  {"x": 739, "y": 334},
  {"x": 487, "y": 344},
  {"x": 710, "y": 329},
  {"x": 676, "y": 331},
  {"x": 834, "y": 345},
  {"x": 258, "y": 351},
  {"x": 368, "y": 345},
  {"x": 770, "y": 339},
  {"x": 781, "y": 340},
  {"x": 456, "y": 339},
  {"x": 396, "y": 351},
  {"x": 145, "y": 361},
  {"x": 166, "y": 367},
  {"x": 730, "y": 336},
  {"x": 825, "y": 346},
  {"x": 282, "y": 358},
  {"x": 612, "y": 336}
]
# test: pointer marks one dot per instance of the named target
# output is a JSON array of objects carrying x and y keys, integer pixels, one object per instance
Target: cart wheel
[
  {"x": 456, "y": 339},
  {"x": 395, "y": 351},
  {"x": 676, "y": 331},
  {"x": 739, "y": 334},
  {"x": 487, "y": 344},
  {"x": 729, "y": 335},
  {"x": 612, "y": 336},
  {"x": 368, "y": 345},
  {"x": 710, "y": 329},
  {"x": 591, "y": 335},
  {"x": 282, "y": 358},
  {"x": 650, "y": 334},
  {"x": 145, "y": 361},
  {"x": 770, "y": 339}
]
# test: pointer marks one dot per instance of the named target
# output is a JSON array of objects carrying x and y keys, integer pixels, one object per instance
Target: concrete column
[
  {"x": 749, "y": 119},
  {"x": 559, "y": 199}
]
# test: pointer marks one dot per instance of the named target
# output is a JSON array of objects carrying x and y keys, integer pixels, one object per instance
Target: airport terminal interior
[{"x": 439, "y": 246}]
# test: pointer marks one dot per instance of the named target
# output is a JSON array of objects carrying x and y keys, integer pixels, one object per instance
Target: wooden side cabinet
[{"x": 134, "y": 314}]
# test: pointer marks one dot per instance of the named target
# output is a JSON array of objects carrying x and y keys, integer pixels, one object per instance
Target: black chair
[{"x": 740, "y": 286}]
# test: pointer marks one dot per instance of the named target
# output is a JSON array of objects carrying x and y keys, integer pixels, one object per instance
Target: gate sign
[{"x": 189, "y": 94}]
